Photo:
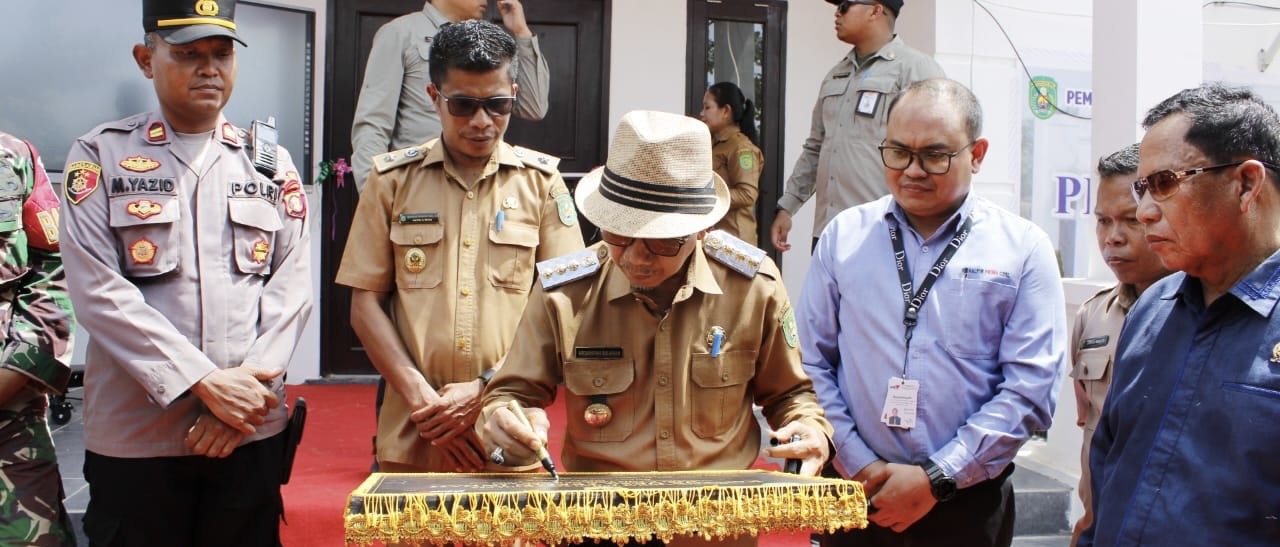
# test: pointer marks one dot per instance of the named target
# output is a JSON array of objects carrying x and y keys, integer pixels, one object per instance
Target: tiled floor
[{"x": 68, "y": 440}]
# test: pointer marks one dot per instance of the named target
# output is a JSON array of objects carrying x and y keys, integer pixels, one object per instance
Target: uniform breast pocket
[
  {"x": 1092, "y": 363},
  {"x": 973, "y": 316},
  {"x": 254, "y": 223},
  {"x": 13, "y": 240},
  {"x": 148, "y": 232},
  {"x": 600, "y": 382},
  {"x": 511, "y": 254},
  {"x": 873, "y": 98},
  {"x": 719, "y": 391},
  {"x": 418, "y": 261},
  {"x": 831, "y": 94}
]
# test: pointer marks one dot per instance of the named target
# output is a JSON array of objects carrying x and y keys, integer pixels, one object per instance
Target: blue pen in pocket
[
  {"x": 717, "y": 339},
  {"x": 497, "y": 220}
]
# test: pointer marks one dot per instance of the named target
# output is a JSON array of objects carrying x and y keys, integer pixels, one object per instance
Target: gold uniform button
[
  {"x": 663, "y": 380},
  {"x": 665, "y": 434},
  {"x": 467, "y": 242},
  {"x": 417, "y": 240},
  {"x": 597, "y": 382},
  {"x": 471, "y": 195},
  {"x": 724, "y": 377},
  {"x": 466, "y": 291}
]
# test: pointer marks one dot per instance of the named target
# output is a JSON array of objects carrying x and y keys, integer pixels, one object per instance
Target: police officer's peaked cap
[
  {"x": 185, "y": 21},
  {"x": 894, "y": 6}
]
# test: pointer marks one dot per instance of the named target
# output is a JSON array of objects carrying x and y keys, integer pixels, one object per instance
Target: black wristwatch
[
  {"x": 942, "y": 485},
  {"x": 486, "y": 376}
]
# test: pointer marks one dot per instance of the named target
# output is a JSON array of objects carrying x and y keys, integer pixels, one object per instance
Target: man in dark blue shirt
[{"x": 1185, "y": 452}]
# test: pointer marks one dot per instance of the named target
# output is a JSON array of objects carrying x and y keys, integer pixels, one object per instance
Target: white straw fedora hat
[{"x": 657, "y": 181}]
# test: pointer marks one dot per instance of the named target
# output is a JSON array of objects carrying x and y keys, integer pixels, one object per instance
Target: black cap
[
  {"x": 894, "y": 6},
  {"x": 185, "y": 21}
]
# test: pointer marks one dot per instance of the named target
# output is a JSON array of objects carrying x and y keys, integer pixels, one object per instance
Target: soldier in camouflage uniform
[{"x": 36, "y": 316}]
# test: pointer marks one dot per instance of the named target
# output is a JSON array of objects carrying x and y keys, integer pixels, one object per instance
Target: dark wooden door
[
  {"x": 744, "y": 41},
  {"x": 572, "y": 34}
]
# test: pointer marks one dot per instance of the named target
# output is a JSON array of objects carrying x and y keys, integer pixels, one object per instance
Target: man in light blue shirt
[{"x": 945, "y": 308}]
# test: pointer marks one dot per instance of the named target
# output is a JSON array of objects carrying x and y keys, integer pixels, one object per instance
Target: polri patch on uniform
[
  {"x": 139, "y": 164},
  {"x": 144, "y": 208},
  {"x": 597, "y": 352},
  {"x": 746, "y": 160},
  {"x": 1095, "y": 342},
  {"x": 295, "y": 200},
  {"x": 156, "y": 132},
  {"x": 564, "y": 206},
  {"x": 789, "y": 327},
  {"x": 419, "y": 218},
  {"x": 82, "y": 179},
  {"x": 143, "y": 251}
]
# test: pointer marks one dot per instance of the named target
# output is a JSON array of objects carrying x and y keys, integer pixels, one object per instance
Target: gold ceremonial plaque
[{"x": 498, "y": 508}]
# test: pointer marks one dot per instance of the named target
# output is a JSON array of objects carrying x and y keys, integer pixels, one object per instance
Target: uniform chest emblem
[
  {"x": 81, "y": 180},
  {"x": 260, "y": 250},
  {"x": 142, "y": 251},
  {"x": 144, "y": 208},
  {"x": 415, "y": 260},
  {"x": 510, "y": 202},
  {"x": 139, "y": 164},
  {"x": 597, "y": 415}
]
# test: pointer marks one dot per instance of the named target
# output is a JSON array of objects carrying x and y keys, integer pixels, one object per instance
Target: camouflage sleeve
[{"x": 39, "y": 341}]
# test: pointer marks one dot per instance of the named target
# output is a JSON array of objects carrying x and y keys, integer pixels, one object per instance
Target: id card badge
[
  {"x": 867, "y": 103},
  {"x": 900, "y": 403}
]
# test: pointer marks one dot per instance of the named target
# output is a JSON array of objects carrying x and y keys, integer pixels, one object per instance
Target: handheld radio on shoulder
[{"x": 262, "y": 146}]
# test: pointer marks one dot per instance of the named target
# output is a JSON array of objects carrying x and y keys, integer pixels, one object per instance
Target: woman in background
[{"x": 735, "y": 157}]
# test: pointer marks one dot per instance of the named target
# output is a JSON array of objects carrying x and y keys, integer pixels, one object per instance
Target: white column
[{"x": 1143, "y": 52}]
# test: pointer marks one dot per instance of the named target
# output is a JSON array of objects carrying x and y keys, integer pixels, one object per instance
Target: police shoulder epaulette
[
  {"x": 533, "y": 158},
  {"x": 571, "y": 267},
  {"x": 390, "y": 160},
  {"x": 738, "y": 255},
  {"x": 126, "y": 124}
]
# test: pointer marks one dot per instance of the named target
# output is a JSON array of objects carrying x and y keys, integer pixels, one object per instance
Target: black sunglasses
[
  {"x": 466, "y": 107},
  {"x": 661, "y": 247},
  {"x": 844, "y": 5}
]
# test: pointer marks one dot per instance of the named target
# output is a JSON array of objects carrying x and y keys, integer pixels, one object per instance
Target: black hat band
[{"x": 657, "y": 198}]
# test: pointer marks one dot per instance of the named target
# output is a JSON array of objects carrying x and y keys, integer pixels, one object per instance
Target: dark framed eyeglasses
[
  {"x": 1164, "y": 184},
  {"x": 933, "y": 162},
  {"x": 846, "y": 4},
  {"x": 662, "y": 247},
  {"x": 466, "y": 107}
]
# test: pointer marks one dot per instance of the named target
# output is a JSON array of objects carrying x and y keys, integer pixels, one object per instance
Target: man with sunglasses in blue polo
[
  {"x": 447, "y": 233},
  {"x": 1186, "y": 448}
]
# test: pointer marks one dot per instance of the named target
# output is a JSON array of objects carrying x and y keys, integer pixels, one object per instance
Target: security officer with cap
[
  {"x": 663, "y": 335},
  {"x": 187, "y": 250}
]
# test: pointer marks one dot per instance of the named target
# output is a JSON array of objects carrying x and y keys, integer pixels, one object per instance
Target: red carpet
[{"x": 335, "y": 455}]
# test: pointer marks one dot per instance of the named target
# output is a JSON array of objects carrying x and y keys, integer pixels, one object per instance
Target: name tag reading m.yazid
[
  {"x": 419, "y": 218},
  {"x": 597, "y": 352}
]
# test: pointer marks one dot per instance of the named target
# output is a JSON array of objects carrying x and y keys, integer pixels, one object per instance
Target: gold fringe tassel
[{"x": 555, "y": 516}]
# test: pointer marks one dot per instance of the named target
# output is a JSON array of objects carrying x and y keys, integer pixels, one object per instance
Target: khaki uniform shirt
[
  {"x": 394, "y": 110},
  {"x": 674, "y": 405},
  {"x": 458, "y": 282},
  {"x": 840, "y": 159},
  {"x": 739, "y": 162},
  {"x": 176, "y": 273},
  {"x": 1093, "y": 348}
]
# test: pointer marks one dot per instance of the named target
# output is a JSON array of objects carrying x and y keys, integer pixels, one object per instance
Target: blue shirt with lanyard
[{"x": 986, "y": 343}]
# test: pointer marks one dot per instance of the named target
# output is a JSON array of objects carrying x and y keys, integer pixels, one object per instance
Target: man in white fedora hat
[{"x": 663, "y": 334}]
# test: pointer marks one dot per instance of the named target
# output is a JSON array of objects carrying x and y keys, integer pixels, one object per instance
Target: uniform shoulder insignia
[
  {"x": 571, "y": 267},
  {"x": 390, "y": 160},
  {"x": 738, "y": 255},
  {"x": 126, "y": 124},
  {"x": 533, "y": 158}
]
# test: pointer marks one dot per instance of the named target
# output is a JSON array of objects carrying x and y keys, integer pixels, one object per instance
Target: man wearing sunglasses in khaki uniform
[
  {"x": 663, "y": 335},
  {"x": 449, "y": 232}
]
